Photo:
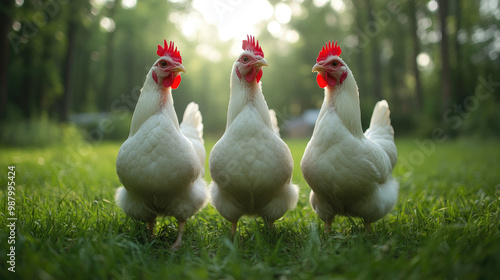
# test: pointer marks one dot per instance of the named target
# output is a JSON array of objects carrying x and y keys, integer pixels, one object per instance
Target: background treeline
[{"x": 436, "y": 62}]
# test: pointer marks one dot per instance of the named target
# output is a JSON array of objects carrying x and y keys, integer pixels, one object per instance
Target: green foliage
[
  {"x": 119, "y": 128},
  {"x": 115, "y": 126},
  {"x": 444, "y": 226},
  {"x": 483, "y": 117},
  {"x": 37, "y": 132},
  {"x": 43, "y": 132},
  {"x": 376, "y": 38}
]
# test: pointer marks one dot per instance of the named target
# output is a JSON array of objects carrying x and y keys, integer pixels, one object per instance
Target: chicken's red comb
[
  {"x": 169, "y": 50},
  {"x": 250, "y": 44},
  {"x": 329, "y": 49}
]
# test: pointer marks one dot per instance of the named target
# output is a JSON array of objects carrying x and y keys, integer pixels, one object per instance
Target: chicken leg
[
  {"x": 271, "y": 225},
  {"x": 180, "y": 230},
  {"x": 328, "y": 226},
  {"x": 234, "y": 225},
  {"x": 151, "y": 226},
  {"x": 368, "y": 227}
]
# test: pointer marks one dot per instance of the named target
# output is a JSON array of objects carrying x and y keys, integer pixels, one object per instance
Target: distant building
[
  {"x": 302, "y": 126},
  {"x": 88, "y": 118}
]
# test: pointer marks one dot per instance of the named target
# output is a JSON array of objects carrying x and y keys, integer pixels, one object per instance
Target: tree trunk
[
  {"x": 376, "y": 85},
  {"x": 445, "y": 67},
  {"x": 83, "y": 60},
  {"x": 460, "y": 87},
  {"x": 5, "y": 24},
  {"x": 419, "y": 100},
  {"x": 398, "y": 70},
  {"x": 40, "y": 95},
  {"x": 104, "y": 97},
  {"x": 68, "y": 66},
  {"x": 360, "y": 59}
]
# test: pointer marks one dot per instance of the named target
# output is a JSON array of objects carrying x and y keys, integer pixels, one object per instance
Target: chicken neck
[
  {"x": 344, "y": 99},
  {"x": 154, "y": 98},
  {"x": 245, "y": 94}
]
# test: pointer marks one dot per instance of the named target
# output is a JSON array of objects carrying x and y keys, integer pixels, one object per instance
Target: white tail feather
[
  {"x": 381, "y": 131},
  {"x": 191, "y": 125},
  {"x": 381, "y": 115}
]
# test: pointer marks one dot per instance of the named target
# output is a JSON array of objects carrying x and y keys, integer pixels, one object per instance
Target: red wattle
[
  {"x": 155, "y": 77},
  {"x": 171, "y": 81},
  {"x": 331, "y": 80},
  {"x": 250, "y": 75},
  {"x": 321, "y": 81},
  {"x": 168, "y": 81},
  {"x": 177, "y": 81},
  {"x": 259, "y": 75}
]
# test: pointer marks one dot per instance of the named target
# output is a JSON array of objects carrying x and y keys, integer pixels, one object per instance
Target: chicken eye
[
  {"x": 245, "y": 59},
  {"x": 335, "y": 63},
  {"x": 163, "y": 64}
]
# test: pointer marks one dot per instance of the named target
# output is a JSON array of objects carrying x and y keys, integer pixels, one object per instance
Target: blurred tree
[
  {"x": 6, "y": 10},
  {"x": 445, "y": 59},
  {"x": 361, "y": 61},
  {"x": 375, "y": 28},
  {"x": 85, "y": 55},
  {"x": 459, "y": 82},
  {"x": 71, "y": 31},
  {"x": 415, "y": 52},
  {"x": 63, "y": 57},
  {"x": 110, "y": 27}
]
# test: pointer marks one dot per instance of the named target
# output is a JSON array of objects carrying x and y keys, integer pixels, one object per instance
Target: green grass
[{"x": 445, "y": 225}]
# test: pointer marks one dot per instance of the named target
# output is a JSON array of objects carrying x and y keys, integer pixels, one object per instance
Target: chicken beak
[
  {"x": 260, "y": 63},
  {"x": 179, "y": 68},
  {"x": 318, "y": 68}
]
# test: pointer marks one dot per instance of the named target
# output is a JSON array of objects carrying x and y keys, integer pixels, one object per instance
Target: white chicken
[
  {"x": 161, "y": 164},
  {"x": 350, "y": 173},
  {"x": 251, "y": 166}
]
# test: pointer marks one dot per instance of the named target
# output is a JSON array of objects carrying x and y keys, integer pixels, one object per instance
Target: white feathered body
[
  {"x": 161, "y": 164},
  {"x": 251, "y": 166},
  {"x": 350, "y": 173}
]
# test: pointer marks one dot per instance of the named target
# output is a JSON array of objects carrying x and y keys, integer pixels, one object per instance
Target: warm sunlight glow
[
  {"x": 319, "y": 3},
  {"x": 233, "y": 19},
  {"x": 16, "y": 25},
  {"x": 424, "y": 61},
  {"x": 129, "y": 4},
  {"x": 283, "y": 13},
  {"x": 191, "y": 25},
  {"x": 292, "y": 36},
  {"x": 338, "y": 5},
  {"x": 99, "y": 2},
  {"x": 207, "y": 22},
  {"x": 432, "y": 5},
  {"x": 488, "y": 6},
  {"x": 274, "y": 28},
  {"x": 235, "y": 48},
  {"x": 107, "y": 24},
  {"x": 209, "y": 52}
]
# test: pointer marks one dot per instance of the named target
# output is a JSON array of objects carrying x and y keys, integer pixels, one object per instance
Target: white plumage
[
  {"x": 349, "y": 172},
  {"x": 251, "y": 166},
  {"x": 161, "y": 164}
]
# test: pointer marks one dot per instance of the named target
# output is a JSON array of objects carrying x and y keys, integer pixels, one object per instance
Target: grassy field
[{"x": 446, "y": 224}]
